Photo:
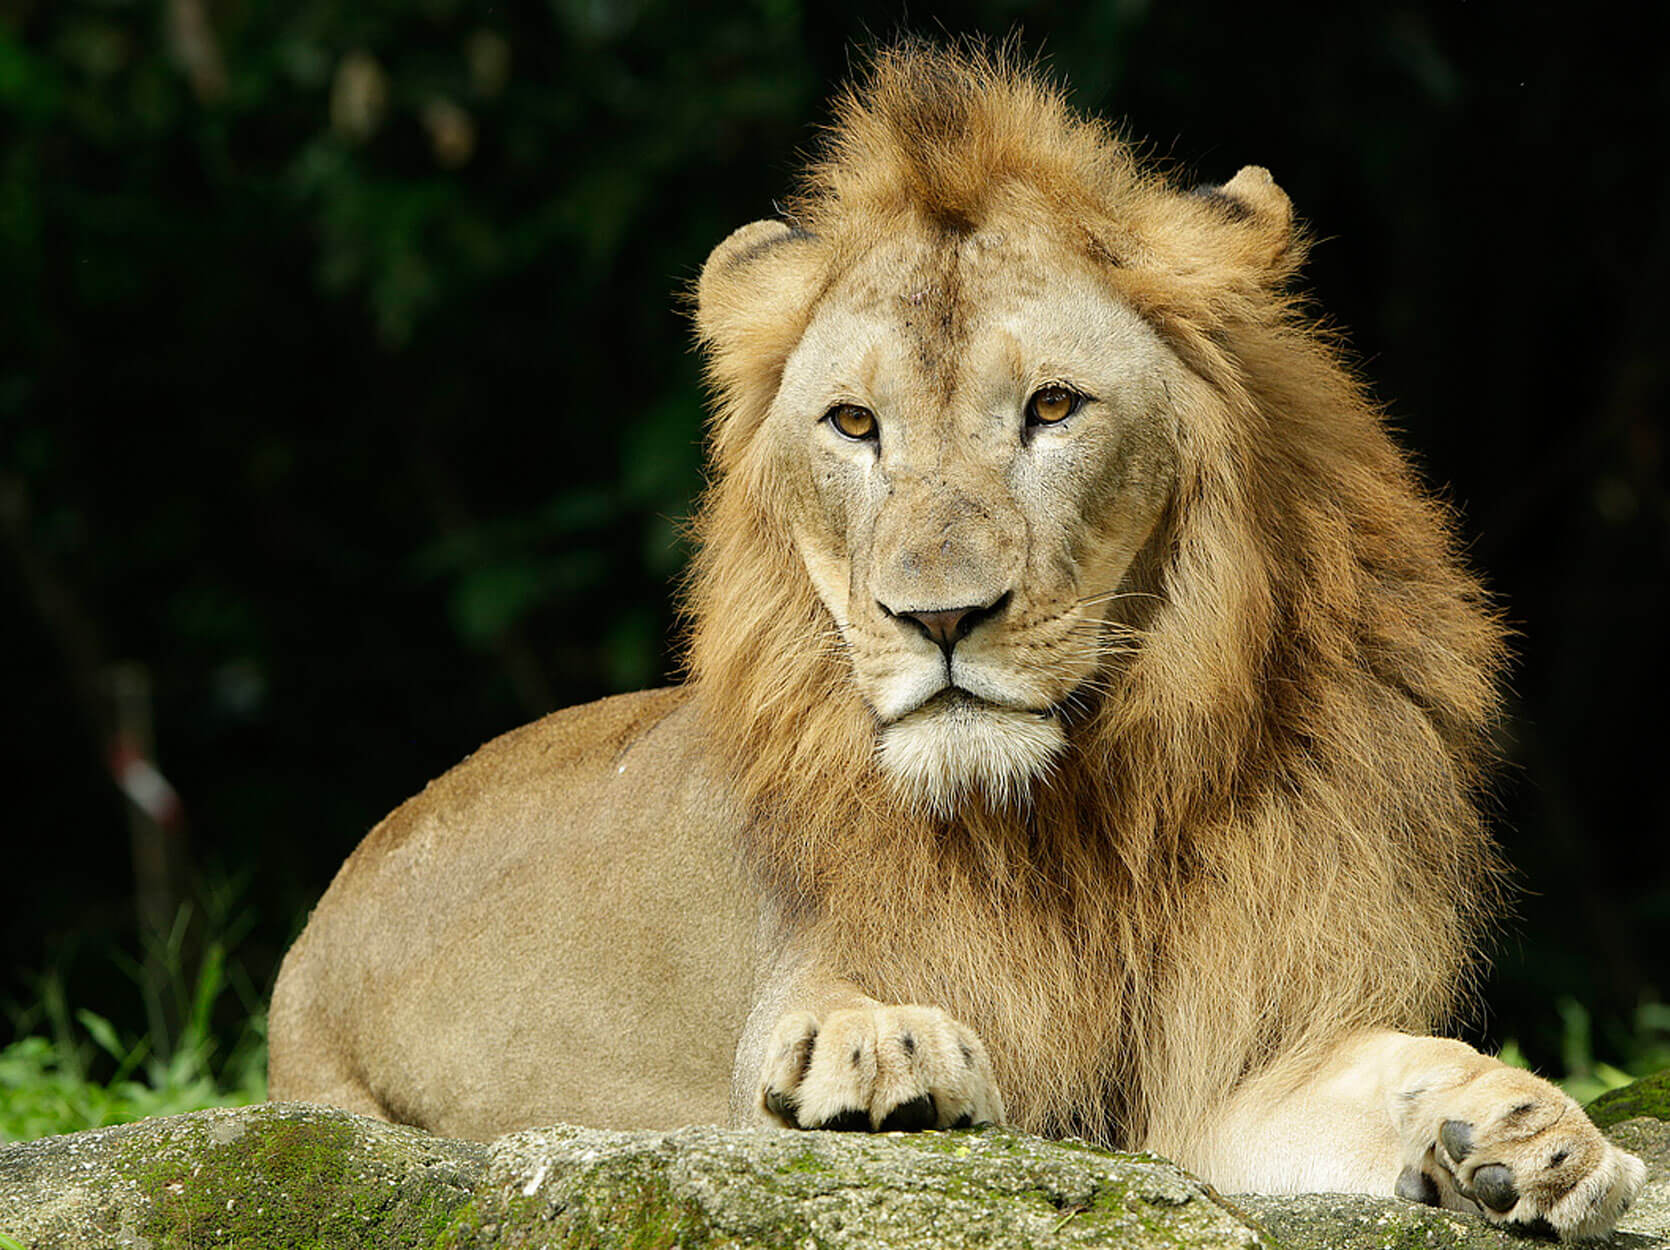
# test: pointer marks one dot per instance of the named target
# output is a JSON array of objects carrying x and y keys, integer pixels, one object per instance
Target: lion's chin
[{"x": 953, "y": 746}]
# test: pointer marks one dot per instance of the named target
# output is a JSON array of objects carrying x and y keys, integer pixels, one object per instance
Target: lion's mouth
[{"x": 955, "y": 700}]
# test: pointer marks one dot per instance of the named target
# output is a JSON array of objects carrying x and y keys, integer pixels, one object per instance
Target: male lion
[{"x": 1086, "y": 718}]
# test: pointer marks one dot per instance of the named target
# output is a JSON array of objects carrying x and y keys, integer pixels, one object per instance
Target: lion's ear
[
  {"x": 752, "y": 301},
  {"x": 1263, "y": 216}
]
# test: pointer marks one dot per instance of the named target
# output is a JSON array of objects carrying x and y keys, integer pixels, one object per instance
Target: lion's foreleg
[
  {"x": 1428, "y": 1119},
  {"x": 793, "y": 986}
]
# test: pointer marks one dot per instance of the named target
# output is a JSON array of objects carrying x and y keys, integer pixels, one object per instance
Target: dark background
[{"x": 344, "y": 388}]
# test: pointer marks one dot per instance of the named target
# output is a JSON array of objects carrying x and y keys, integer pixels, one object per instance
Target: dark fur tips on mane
[{"x": 945, "y": 134}]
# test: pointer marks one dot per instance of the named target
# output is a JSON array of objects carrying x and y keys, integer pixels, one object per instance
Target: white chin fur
[{"x": 940, "y": 753}]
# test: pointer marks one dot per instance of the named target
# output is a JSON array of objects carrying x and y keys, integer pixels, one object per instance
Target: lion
[{"x": 1087, "y": 721}]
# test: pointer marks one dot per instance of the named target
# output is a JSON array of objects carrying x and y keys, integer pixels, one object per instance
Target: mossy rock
[
  {"x": 274, "y": 1177},
  {"x": 303, "y": 1178},
  {"x": 1360, "y": 1222},
  {"x": 287, "y": 1177},
  {"x": 1650, "y": 1096},
  {"x": 781, "y": 1190}
]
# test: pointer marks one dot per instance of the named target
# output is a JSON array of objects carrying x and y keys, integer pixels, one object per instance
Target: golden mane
[{"x": 1265, "y": 830}]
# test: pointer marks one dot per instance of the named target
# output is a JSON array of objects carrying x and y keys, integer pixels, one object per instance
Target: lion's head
[
  {"x": 1048, "y": 537},
  {"x": 973, "y": 439}
]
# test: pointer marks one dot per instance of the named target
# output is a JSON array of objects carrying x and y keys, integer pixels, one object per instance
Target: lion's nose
[{"x": 946, "y": 627}]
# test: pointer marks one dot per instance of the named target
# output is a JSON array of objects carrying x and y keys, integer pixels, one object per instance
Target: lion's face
[{"x": 973, "y": 444}]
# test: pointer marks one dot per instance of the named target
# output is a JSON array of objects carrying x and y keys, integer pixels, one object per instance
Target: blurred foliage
[
  {"x": 74, "y": 1069},
  {"x": 345, "y": 384},
  {"x": 1639, "y": 1048}
]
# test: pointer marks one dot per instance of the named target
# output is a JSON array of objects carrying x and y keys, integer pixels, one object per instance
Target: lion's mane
[{"x": 1266, "y": 829}]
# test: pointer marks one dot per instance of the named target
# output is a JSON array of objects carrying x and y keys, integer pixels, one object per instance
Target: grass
[
  {"x": 71, "y": 1069},
  {"x": 1640, "y": 1046}
]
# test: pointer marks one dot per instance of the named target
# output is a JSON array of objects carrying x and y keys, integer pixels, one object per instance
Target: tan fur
[
  {"x": 1265, "y": 833},
  {"x": 1176, "y": 843}
]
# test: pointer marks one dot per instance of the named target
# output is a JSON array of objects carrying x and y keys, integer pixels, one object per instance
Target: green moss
[
  {"x": 1423, "y": 1236},
  {"x": 1650, "y": 1096},
  {"x": 613, "y": 1207},
  {"x": 1110, "y": 1201},
  {"x": 288, "y": 1184},
  {"x": 807, "y": 1162},
  {"x": 950, "y": 1141},
  {"x": 1086, "y": 1148}
]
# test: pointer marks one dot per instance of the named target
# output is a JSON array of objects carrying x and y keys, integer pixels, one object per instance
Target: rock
[
  {"x": 281, "y": 1175},
  {"x": 1359, "y": 1222},
  {"x": 1649, "y": 1138},
  {"x": 287, "y": 1175},
  {"x": 1650, "y": 1096},
  {"x": 263, "y": 1176},
  {"x": 777, "y": 1188}
]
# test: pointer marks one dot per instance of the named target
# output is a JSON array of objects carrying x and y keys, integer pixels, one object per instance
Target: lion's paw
[
  {"x": 877, "y": 1069},
  {"x": 1517, "y": 1149}
]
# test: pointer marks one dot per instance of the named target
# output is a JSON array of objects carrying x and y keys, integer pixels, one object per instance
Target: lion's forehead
[
  {"x": 947, "y": 312},
  {"x": 960, "y": 279}
]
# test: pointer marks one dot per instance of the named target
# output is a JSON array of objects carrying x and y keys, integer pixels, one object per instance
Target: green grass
[
  {"x": 1640, "y": 1048},
  {"x": 71, "y": 1069}
]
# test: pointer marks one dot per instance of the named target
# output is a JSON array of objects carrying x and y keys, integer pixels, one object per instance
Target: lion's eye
[
  {"x": 851, "y": 421},
  {"x": 1052, "y": 404}
]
